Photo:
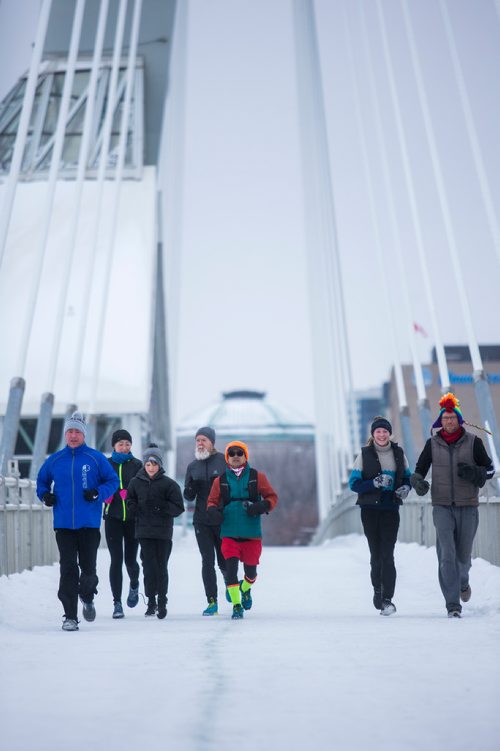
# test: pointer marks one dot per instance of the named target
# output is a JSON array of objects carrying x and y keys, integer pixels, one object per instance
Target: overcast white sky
[
  {"x": 244, "y": 316},
  {"x": 244, "y": 319}
]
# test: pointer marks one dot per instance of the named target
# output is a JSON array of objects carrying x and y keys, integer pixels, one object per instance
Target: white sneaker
[
  {"x": 69, "y": 624},
  {"x": 388, "y": 608}
]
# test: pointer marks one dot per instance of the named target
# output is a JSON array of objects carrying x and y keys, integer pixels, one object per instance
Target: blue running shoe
[
  {"x": 238, "y": 612},
  {"x": 246, "y": 598},
  {"x": 212, "y": 608},
  {"x": 133, "y": 596}
]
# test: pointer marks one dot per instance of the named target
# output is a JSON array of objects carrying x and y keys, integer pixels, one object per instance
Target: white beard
[{"x": 201, "y": 454}]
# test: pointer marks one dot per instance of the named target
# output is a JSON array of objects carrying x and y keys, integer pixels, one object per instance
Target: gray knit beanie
[
  {"x": 153, "y": 454},
  {"x": 76, "y": 422}
]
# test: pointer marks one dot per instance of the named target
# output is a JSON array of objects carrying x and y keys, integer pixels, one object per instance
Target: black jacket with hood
[{"x": 154, "y": 502}]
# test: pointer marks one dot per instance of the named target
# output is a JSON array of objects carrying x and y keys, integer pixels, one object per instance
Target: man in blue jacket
[{"x": 75, "y": 482}]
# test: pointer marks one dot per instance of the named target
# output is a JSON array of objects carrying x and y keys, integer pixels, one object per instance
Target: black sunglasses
[{"x": 236, "y": 452}]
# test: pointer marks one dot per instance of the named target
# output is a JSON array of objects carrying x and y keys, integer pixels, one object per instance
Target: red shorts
[{"x": 247, "y": 552}]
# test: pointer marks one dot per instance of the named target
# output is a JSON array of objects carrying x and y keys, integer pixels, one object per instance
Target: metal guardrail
[
  {"x": 26, "y": 531},
  {"x": 416, "y": 522}
]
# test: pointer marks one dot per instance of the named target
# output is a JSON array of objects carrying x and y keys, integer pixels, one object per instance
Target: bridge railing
[
  {"x": 416, "y": 521},
  {"x": 26, "y": 532}
]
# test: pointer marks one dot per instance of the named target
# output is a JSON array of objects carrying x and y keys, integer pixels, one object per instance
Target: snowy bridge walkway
[{"x": 313, "y": 665}]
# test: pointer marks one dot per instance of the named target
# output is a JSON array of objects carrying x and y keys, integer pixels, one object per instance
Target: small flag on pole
[{"x": 419, "y": 329}]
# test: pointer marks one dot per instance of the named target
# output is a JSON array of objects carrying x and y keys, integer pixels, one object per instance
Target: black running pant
[
  {"x": 232, "y": 571},
  {"x": 120, "y": 537},
  {"x": 154, "y": 556},
  {"x": 78, "y": 567},
  {"x": 209, "y": 544},
  {"x": 381, "y": 530}
]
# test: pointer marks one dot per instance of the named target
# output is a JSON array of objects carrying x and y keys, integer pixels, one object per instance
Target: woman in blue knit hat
[{"x": 381, "y": 478}]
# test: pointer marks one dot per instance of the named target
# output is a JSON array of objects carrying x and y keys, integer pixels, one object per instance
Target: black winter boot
[{"x": 151, "y": 610}]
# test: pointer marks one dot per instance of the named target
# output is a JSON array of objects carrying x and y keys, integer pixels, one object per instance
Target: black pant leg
[
  {"x": 114, "y": 529},
  {"x": 232, "y": 570},
  {"x": 250, "y": 572},
  {"x": 370, "y": 522},
  {"x": 206, "y": 545},
  {"x": 149, "y": 567},
  {"x": 88, "y": 545},
  {"x": 221, "y": 561},
  {"x": 131, "y": 545},
  {"x": 388, "y": 533},
  {"x": 67, "y": 544},
  {"x": 163, "y": 550}
]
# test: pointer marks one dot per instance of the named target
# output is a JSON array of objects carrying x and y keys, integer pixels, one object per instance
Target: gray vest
[{"x": 447, "y": 487}]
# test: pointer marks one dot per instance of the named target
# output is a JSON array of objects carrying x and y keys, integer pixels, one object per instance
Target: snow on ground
[{"x": 312, "y": 664}]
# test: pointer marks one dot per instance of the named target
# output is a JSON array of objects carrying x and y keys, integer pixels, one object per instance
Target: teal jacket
[{"x": 236, "y": 521}]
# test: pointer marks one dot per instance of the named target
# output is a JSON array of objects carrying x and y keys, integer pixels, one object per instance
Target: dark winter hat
[
  {"x": 120, "y": 435},
  {"x": 153, "y": 454},
  {"x": 207, "y": 432},
  {"x": 380, "y": 422},
  {"x": 76, "y": 422},
  {"x": 448, "y": 403}
]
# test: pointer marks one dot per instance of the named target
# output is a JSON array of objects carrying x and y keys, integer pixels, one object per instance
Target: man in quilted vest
[
  {"x": 460, "y": 466},
  {"x": 237, "y": 501}
]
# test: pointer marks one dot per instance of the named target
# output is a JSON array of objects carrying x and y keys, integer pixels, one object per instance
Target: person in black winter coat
[
  {"x": 154, "y": 500},
  {"x": 118, "y": 527},
  {"x": 200, "y": 474},
  {"x": 381, "y": 478}
]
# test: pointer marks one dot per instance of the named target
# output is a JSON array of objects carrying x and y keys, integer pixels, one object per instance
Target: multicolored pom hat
[{"x": 448, "y": 403}]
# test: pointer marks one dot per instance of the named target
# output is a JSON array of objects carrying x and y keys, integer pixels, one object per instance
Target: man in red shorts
[{"x": 237, "y": 500}]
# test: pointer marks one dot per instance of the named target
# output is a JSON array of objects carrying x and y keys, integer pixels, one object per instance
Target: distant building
[
  {"x": 368, "y": 404},
  {"x": 461, "y": 383},
  {"x": 281, "y": 444}
]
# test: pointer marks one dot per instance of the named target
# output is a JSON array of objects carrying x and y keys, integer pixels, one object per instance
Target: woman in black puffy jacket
[{"x": 154, "y": 500}]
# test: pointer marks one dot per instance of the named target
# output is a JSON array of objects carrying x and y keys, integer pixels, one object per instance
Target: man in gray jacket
[{"x": 460, "y": 466}]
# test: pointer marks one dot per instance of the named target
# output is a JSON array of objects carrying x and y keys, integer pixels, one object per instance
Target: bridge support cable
[
  {"x": 422, "y": 401},
  {"x": 17, "y": 386},
  {"x": 395, "y": 232},
  {"x": 483, "y": 391},
  {"x": 101, "y": 173},
  {"x": 116, "y": 199},
  {"x": 22, "y": 130},
  {"x": 323, "y": 259},
  {"x": 484, "y": 185},
  {"x": 407, "y": 436},
  {"x": 47, "y": 216},
  {"x": 42, "y": 433},
  {"x": 170, "y": 205},
  {"x": 415, "y": 214},
  {"x": 122, "y": 145}
]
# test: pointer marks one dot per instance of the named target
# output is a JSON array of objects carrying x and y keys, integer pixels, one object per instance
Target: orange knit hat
[{"x": 240, "y": 445}]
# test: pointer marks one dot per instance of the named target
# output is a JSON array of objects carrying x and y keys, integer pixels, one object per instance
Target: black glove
[
  {"x": 258, "y": 507},
  {"x": 91, "y": 495},
  {"x": 420, "y": 485},
  {"x": 472, "y": 473},
  {"x": 131, "y": 509},
  {"x": 215, "y": 516},
  {"x": 49, "y": 499}
]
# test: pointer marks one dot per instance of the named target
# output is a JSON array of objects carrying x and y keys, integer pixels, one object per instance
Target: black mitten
[
  {"x": 49, "y": 499},
  {"x": 258, "y": 507},
  {"x": 215, "y": 516},
  {"x": 420, "y": 485},
  {"x": 91, "y": 495},
  {"x": 472, "y": 473}
]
